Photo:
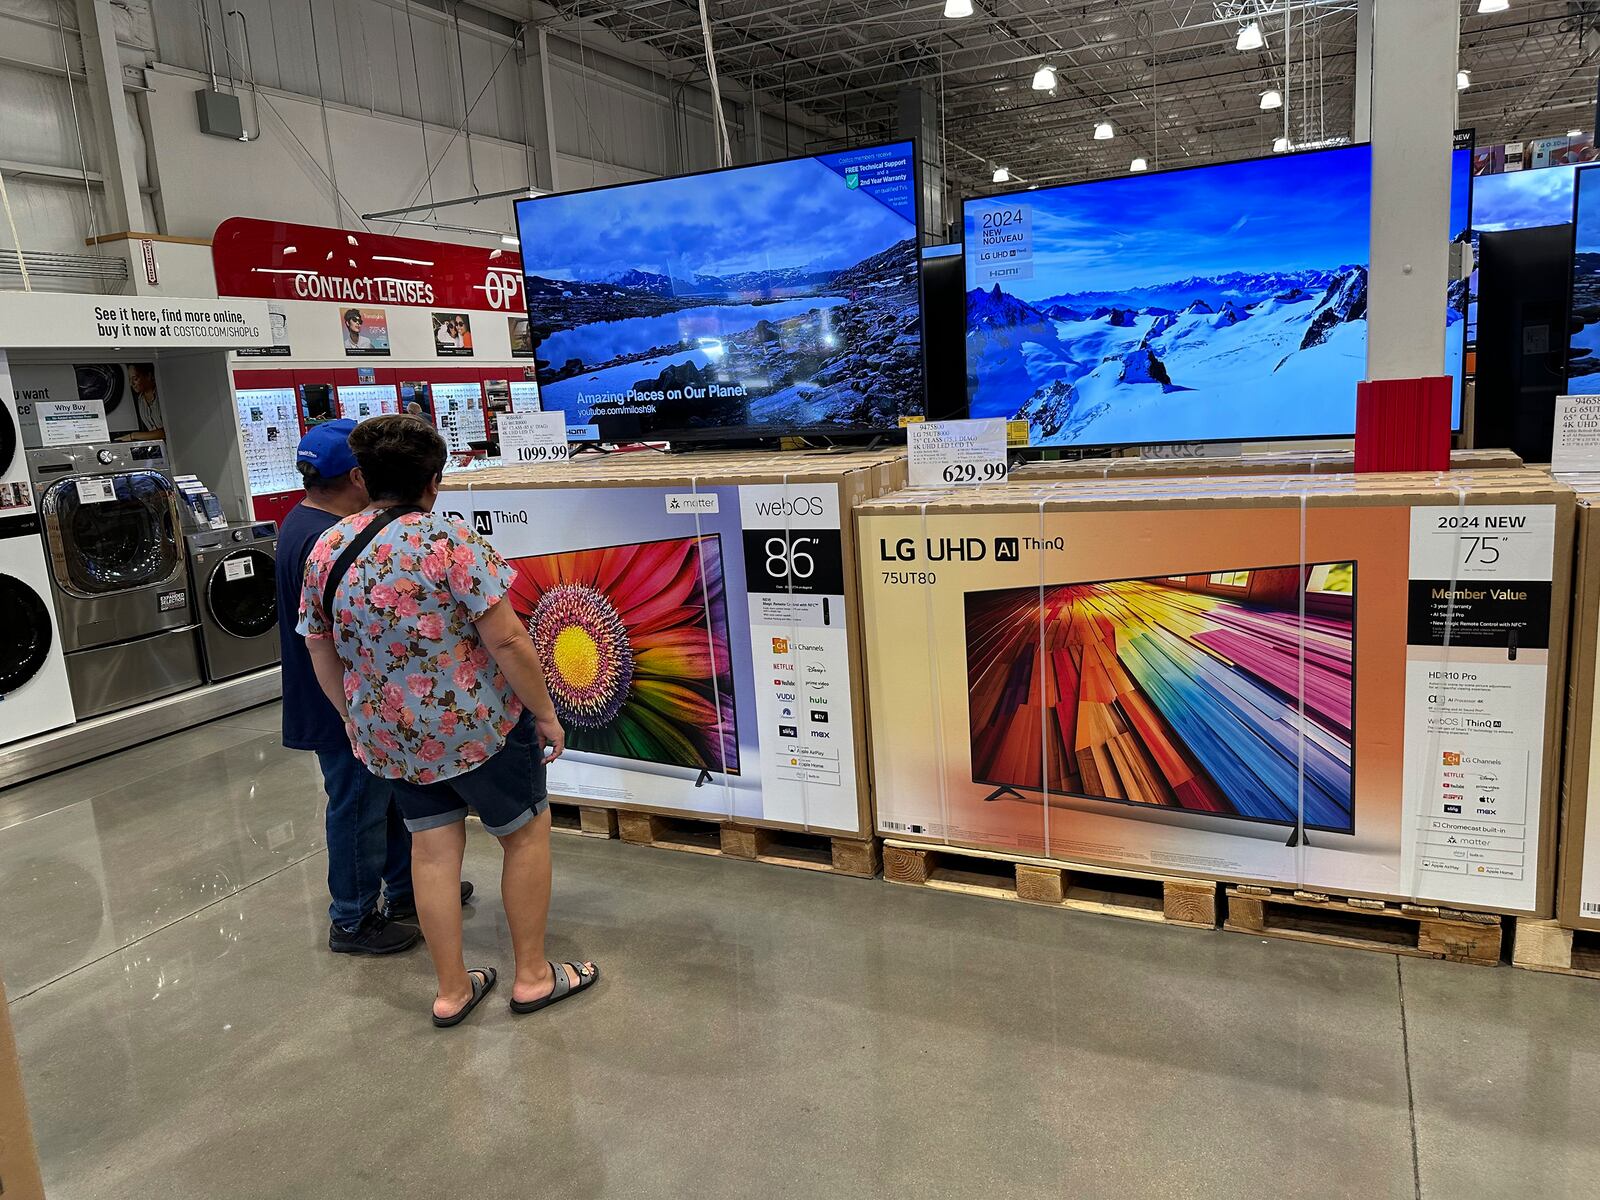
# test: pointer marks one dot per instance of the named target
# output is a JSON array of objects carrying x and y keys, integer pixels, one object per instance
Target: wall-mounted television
[
  {"x": 1188, "y": 693},
  {"x": 781, "y": 297},
  {"x": 635, "y": 647}
]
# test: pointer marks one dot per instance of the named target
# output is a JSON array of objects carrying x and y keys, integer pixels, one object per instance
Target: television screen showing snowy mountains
[
  {"x": 1217, "y": 303},
  {"x": 777, "y": 297}
]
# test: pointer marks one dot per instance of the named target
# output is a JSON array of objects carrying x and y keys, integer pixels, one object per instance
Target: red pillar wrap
[{"x": 1403, "y": 424}]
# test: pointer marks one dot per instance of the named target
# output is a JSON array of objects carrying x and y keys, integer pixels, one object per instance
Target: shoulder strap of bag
[{"x": 347, "y": 557}]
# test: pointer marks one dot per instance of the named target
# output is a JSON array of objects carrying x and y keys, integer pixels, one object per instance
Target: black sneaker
[
  {"x": 375, "y": 935},
  {"x": 406, "y": 910}
]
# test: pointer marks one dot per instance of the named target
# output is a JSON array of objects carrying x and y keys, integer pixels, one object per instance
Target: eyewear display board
[
  {"x": 458, "y": 414},
  {"x": 270, "y": 429},
  {"x": 363, "y": 400},
  {"x": 1348, "y": 690},
  {"x": 776, "y": 298},
  {"x": 696, "y": 623}
]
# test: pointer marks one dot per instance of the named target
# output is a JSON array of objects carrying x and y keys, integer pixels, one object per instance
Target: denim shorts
[{"x": 506, "y": 790}]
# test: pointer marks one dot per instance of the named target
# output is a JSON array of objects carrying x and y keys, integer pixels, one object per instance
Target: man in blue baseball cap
[{"x": 367, "y": 842}]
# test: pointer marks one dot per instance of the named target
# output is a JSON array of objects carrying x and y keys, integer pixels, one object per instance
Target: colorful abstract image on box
[
  {"x": 1188, "y": 691},
  {"x": 635, "y": 647}
]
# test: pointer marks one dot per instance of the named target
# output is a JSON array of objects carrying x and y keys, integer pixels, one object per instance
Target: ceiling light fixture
[
  {"x": 957, "y": 8},
  {"x": 1250, "y": 37},
  {"x": 1103, "y": 132},
  {"x": 1463, "y": 80},
  {"x": 1270, "y": 99},
  {"x": 1493, "y": 6},
  {"x": 1001, "y": 175},
  {"x": 1280, "y": 145},
  {"x": 509, "y": 240},
  {"x": 1044, "y": 79},
  {"x": 1572, "y": 133},
  {"x": 1138, "y": 164}
]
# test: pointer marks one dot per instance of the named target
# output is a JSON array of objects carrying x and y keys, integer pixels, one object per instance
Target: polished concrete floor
[{"x": 761, "y": 1031}]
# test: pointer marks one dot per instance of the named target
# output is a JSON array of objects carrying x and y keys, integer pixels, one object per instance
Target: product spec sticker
[
  {"x": 236, "y": 569},
  {"x": 96, "y": 491}
]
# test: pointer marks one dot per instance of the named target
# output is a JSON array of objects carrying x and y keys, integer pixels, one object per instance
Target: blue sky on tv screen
[
  {"x": 1522, "y": 199},
  {"x": 1279, "y": 214},
  {"x": 774, "y": 216}
]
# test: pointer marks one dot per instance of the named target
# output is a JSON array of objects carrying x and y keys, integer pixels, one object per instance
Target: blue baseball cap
[{"x": 327, "y": 448}]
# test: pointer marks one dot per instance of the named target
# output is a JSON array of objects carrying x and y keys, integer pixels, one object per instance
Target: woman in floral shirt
[{"x": 445, "y": 698}]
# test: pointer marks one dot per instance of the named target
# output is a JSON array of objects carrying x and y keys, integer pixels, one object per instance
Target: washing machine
[
  {"x": 113, "y": 543},
  {"x": 232, "y": 573},
  {"x": 34, "y": 695}
]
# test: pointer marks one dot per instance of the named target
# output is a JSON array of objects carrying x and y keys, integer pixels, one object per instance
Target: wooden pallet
[
  {"x": 1105, "y": 890},
  {"x": 731, "y": 839},
  {"x": 586, "y": 820},
  {"x": 1420, "y": 930},
  {"x": 1546, "y": 946}
]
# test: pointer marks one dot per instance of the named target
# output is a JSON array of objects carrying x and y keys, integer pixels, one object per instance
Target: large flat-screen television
[
  {"x": 1583, "y": 352},
  {"x": 1516, "y": 200},
  {"x": 635, "y": 647},
  {"x": 1188, "y": 693},
  {"x": 782, "y": 297},
  {"x": 1211, "y": 303}
]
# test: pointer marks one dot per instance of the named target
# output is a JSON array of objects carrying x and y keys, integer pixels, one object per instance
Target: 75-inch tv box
[
  {"x": 1348, "y": 684},
  {"x": 1578, "y": 901},
  {"x": 697, "y": 619}
]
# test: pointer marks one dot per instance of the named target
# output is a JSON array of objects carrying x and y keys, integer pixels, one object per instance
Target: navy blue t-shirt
[{"x": 309, "y": 721}]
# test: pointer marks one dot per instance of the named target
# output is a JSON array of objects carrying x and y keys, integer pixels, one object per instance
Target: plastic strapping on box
[
  {"x": 1434, "y": 759},
  {"x": 1300, "y": 706},
  {"x": 793, "y": 626},
  {"x": 711, "y": 646},
  {"x": 936, "y": 693},
  {"x": 1044, "y": 708}
]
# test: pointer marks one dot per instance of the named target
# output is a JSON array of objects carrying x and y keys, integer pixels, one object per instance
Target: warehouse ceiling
[{"x": 1165, "y": 73}]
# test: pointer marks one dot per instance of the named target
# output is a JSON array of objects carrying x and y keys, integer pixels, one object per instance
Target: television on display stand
[
  {"x": 780, "y": 298},
  {"x": 1220, "y": 303}
]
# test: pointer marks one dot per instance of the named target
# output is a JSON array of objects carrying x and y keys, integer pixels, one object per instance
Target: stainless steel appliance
[
  {"x": 232, "y": 574},
  {"x": 113, "y": 536}
]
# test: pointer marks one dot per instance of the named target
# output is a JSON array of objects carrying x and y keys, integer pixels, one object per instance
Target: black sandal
[
  {"x": 478, "y": 993},
  {"x": 588, "y": 975}
]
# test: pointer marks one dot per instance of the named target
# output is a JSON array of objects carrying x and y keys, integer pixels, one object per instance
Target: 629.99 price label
[{"x": 957, "y": 452}]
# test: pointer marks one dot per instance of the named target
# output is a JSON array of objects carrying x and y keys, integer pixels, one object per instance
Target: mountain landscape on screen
[
  {"x": 1226, "y": 302},
  {"x": 782, "y": 295}
]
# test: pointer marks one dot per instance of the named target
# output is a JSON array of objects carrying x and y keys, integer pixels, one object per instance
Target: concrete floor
[{"x": 761, "y": 1031}]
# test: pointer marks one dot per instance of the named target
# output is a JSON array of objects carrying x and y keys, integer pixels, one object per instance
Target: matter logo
[{"x": 503, "y": 289}]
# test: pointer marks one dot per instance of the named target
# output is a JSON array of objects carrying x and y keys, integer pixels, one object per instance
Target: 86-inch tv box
[
  {"x": 697, "y": 619},
  {"x": 1347, "y": 684},
  {"x": 1578, "y": 902}
]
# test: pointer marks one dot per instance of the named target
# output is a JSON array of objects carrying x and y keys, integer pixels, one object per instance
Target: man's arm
[
  {"x": 506, "y": 639},
  {"x": 330, "y": 672}
]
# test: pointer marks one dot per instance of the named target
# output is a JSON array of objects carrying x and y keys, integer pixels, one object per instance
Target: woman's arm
[
  {"x": 330, "y": 672},
  {"x": 506, "y": 639}
]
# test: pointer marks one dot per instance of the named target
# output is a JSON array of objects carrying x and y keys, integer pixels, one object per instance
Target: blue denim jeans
[{"x": 367, "y": 841}]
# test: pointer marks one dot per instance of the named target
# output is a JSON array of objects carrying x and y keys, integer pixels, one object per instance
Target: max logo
[{"x": 1006, "y": 549}]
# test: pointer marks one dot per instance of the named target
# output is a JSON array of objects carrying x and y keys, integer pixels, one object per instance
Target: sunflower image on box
[{"x": 634, "y": 643}]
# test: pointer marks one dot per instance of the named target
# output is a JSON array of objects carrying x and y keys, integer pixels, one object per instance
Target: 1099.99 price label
[{"x": 540, "y": 453}]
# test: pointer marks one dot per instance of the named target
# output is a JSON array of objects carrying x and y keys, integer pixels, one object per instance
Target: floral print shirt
[{"x": 426, "y": 700}]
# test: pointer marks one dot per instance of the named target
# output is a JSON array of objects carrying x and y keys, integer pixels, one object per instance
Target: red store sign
[{"x": 274, "y": 260}]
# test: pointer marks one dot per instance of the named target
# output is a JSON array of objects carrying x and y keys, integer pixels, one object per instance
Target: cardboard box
[
  {"x": 19, "y": 1161},
  {"x": 697, "y": 617},
  {"x": 1341, "y": 683},
  {"x": 1578, "y": 896},
  {"x": 1309, "y": 462}
]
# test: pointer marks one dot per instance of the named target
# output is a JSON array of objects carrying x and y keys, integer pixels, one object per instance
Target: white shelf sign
[
  {"x": 1577, "y": 441},
  {"x": 957, "y": 452},
  {"x": 533, "y": 437}
]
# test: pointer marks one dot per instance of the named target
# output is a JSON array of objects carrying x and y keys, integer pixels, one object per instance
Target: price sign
[
  {"x": 1577, "y": 441},
  {"x": 533, "y": 437},
  {"x": 957, "y": 452}
]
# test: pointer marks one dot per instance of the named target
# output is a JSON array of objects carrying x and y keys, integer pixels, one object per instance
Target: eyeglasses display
[{"x": 270, "y": 431}]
